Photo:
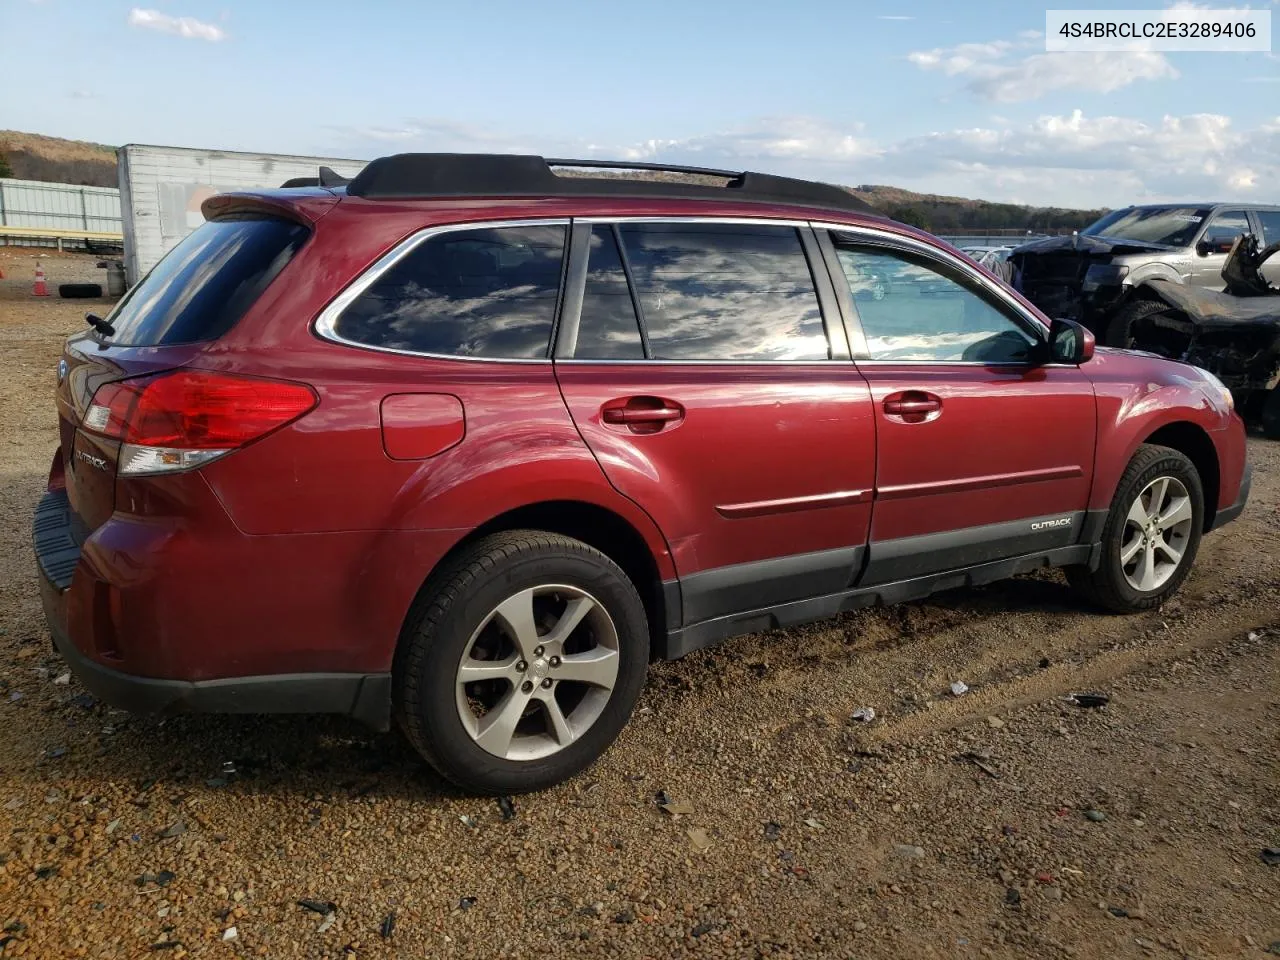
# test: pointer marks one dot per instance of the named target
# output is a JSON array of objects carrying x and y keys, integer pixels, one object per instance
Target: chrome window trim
[
  {"x": 325, "y": 324},
  {"x": 752, "y": 221},
  {"x": 717, "y": 363}
]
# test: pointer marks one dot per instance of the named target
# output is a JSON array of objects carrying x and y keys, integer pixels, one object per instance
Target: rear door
[
  {"x": 981, "y": 454},
  {"x": 705, "y": 365}
]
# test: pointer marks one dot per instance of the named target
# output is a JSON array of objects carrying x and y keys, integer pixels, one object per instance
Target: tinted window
[
  {"x": 1270, "y": 226},
  {"x": 608, "y": 329},
  {"x": 1225, "y": 227},
  {"x": 910, "y": 311},
  {"x": 1173, "y": 226},
  {"x": 487, "y": 292},
  {"x": 724, "y": 292},
  {"x": 206, "y": 283}
]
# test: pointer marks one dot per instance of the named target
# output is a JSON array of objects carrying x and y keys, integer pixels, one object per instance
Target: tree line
[{"x": 951, "y": 217}]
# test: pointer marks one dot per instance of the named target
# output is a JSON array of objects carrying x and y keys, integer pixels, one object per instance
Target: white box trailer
[{"x": 161, "y": 189}]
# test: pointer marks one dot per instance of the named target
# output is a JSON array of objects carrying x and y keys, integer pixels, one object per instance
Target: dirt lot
[{"x": 1005, "y": 822}]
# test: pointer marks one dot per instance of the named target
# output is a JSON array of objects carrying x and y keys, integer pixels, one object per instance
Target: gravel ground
[{"x": 1004, "y": 822}]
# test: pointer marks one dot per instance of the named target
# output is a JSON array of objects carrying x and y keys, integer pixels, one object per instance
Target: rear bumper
[
  {"x": 1227, "y": 514},
  {"x": 365, "y": 696}
]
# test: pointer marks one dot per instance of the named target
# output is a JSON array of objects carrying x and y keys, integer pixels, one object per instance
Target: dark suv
[{"x": 468, "y": 442}]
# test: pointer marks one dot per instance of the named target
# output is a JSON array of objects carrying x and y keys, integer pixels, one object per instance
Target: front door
[
  {"x": 981, "y": 454},
  {"x": 1210, "y": 254},
  {"x": 698, "y": 366}
]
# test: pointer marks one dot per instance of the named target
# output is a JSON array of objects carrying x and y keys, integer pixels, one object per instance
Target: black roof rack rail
[
  {"x": 326, "y": 177},
  {"x": 628, "y": 165},
  {"x": 419, "y": 176}
]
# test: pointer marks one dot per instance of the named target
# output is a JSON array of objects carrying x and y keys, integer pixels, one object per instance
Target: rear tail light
[{"x": 180, "y": 420}]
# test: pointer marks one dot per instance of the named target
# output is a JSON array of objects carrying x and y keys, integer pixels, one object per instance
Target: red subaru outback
[{"x": 468, "y": 442}]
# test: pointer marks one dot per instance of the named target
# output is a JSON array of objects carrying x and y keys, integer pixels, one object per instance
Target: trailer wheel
[
  {"x": 1270, "y": 421},
  {"x": 1120, "y": 329},
  {"x": 79, "y": 291}
]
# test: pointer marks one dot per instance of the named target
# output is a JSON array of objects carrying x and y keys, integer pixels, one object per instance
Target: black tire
[
  {"x": 439, "y": 630},
  {"x": 1270, "y": 419},
  {"x": 1119, "y": 331},
  {"x": 1108, "y": 586},
  {"x": 79, "y": 291}
]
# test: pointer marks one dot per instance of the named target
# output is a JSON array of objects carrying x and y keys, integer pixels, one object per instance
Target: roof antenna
[{"x": 331, "y": 178}]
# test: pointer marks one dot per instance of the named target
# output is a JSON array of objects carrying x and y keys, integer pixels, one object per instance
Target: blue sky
[{"x": 937, "y": 96}]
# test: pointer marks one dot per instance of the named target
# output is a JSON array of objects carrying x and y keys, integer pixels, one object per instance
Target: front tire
[
  {"x": 1120, "y": 331},
  {"x": 521, "y": 662},
  {"x": 1151, "y": 535}
]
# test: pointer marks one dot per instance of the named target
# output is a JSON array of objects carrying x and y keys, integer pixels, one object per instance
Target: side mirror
[
  {"x": 1206, "y": 247},
  {"x": 1069, "y": 342}
]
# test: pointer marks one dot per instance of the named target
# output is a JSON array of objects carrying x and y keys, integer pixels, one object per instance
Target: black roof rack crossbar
[
  {"x": 419, "y": 176},
  {"x": 658, "y": 167}
]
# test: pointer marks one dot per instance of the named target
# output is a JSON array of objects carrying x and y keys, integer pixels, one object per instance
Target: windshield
[
  {"x": 206, "y": 283},
  {"x": 1169, "y": 226}
]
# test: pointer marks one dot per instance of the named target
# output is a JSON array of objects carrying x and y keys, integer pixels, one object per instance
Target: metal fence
[
  {"x": 64, "y": 209},
  {"x": 998, "y": 238}
]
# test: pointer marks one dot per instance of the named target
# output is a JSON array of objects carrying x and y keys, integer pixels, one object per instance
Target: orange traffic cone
[{"x": 39, "y": 290}]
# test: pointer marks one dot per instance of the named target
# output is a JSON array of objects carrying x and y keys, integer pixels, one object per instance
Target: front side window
[
  {"x": 912, "y": 312},
  {"x": 1224, "y": 228},
  {"x": 724, "y": 291},
  {"x": 487, "y": 292}
]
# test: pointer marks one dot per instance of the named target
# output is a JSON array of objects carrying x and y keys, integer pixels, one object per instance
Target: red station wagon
[{"x": 467, "y": 442}]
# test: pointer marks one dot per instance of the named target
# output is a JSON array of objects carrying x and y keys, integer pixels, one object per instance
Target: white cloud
[
  {"x": 188, "y": 28},
  {"x": 1073, "y": 159},
  {"x": 1003, "y": 71},
  {"x": 888, "y": 16}
]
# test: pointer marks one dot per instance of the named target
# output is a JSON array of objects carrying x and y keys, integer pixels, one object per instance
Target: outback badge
[{"x": 1052, "y": 524}]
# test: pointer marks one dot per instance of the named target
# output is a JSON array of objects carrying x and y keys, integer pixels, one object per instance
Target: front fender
[
  {"x": 1148, "y": 272},
  {"x": 1138, "y": 395}
]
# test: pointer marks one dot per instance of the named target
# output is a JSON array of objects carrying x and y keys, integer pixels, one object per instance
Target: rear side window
[
  {"x": 1270, "y": 220},
  {"x": 487, "y": 292},
  {"x": 204, "y": 285},
  {"x": 727, "y": 291}
]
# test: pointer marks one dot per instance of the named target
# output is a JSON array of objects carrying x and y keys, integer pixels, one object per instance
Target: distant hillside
[
  {"x": 957, "y": 214},
  {"x": 35, "y": 157}
]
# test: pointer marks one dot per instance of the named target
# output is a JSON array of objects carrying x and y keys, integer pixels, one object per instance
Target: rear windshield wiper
[{"x": 100, "y": 325}]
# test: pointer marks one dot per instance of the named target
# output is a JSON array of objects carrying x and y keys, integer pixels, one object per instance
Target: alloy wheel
[
  {"x": 538, "y": 672},
  {"x": 1156, "y": 533}
]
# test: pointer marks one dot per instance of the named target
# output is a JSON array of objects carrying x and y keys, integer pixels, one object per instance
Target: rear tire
[
  {"x": 1157, "y": 512},
  {"x": 79, "y": 291},
  {"x": 500, "y": 709},
  {"x": 1120, "y": 329}
]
